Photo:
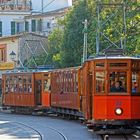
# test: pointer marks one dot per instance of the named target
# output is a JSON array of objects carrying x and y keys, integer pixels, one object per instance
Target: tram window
[
  {"x": 24, "y": 84},
  {"x": 118, "y": 82},
  {"x": 69, "y": 82},
  {"x": 7, "y": 87},
  {"x": 29, "y": 84},
  {"x": 29, "y": 79},
  {"x": 29, "y": 88},
  {"x": 20, "y": 84},
  {"x": 100, "y": 65},
  {"x": 47, "y": 85},
  {"x": 135, "y": 82},
  {"x": 75, "y": 82},
  {"x": 118, "y": 64},
  {"x": 64, "y": 88},
  {"x": 60, "y": 82},
  {"x": 15, "y": 84},
  {"x": 100, "y": 82},
  {"x": 11, "y": 84}
]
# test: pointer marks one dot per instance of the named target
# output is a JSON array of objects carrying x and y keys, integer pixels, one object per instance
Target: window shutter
[
  {"x": 13, "y": 27},
  {"x": 33, "y": 25},
  {"x": 0, "y": 28}
]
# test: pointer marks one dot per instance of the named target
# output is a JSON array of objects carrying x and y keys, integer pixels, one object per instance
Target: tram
[
  {"x": 26, "y": 92},
  {"x": 111, "y": 92},
  {"x": 105, "y": 91}
]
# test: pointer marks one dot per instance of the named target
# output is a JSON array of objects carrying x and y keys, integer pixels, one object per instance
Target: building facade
[
  {"x": 15, "y": 50},
  {"x": 17, "y": 16},
  {"x": 7, "y": 45},
  {"x": 44, "y": 23},
  {"x": 12, "y": 13},
  {"x": 22, "y": 29},
  {"x": 49, "y": 5}
]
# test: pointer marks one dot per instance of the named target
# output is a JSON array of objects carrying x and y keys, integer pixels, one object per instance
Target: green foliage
[
  {"x": 65, "y": 47},
  {"x": 72, "y": 45}
]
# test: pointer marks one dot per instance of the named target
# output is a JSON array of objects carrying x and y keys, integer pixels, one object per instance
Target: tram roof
[
  {"x": 22, "y": 72},
  {"x": 113, "y": 57}
]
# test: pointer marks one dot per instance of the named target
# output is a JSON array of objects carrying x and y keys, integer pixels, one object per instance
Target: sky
[{"x": 49, "y": 5}]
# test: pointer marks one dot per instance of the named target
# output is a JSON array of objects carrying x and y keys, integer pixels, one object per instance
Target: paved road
[
  {"x": 25, "y": 127},
  {"x": 50, "y": 128},
  {"x": 15, "y": 131}
]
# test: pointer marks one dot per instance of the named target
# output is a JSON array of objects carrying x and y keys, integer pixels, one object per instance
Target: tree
[
  {"x": 72, "y": 45},
  {"x": 66, "y": 46},
  {"x": 54, "y": 47}
]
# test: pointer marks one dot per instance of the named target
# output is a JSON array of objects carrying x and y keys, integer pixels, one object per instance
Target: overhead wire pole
[
  {"x": 85, "y": 41},
  {"x": 101, "y": 24},
  {"x": 98, "y": 30},
  {"x": 124, "y": 28},
  {"x": 42, "y": 3}
]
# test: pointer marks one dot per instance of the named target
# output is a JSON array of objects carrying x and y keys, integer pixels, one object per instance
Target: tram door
[
  {"x": 90, "y": 99},
  {"x": 38, "y": 91}
]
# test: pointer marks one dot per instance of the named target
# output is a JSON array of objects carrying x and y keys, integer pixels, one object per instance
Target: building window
[
  {"x": 2, "y": 53},
  {"x": 20, "y": 27},
  {"x": 0, "y": 28},
  {"x": 33, "y": 25},
  {"x": 48, "y": 25}
]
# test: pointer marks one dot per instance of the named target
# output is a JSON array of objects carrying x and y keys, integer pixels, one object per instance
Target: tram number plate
[{"x": 118, "y": 103}]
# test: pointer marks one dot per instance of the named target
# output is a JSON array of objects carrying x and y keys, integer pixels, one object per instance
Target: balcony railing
[{"x": 11, "y": 5}]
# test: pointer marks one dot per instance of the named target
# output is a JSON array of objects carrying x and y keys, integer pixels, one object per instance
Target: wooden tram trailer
[
  {"x": 26, "y": 92},
  {"x": 66, "y": 92}
]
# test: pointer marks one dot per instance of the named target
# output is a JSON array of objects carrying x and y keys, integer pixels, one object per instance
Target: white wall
[
  {"x": 6, "y": 19},
  {"x": 50, "y": 5}
]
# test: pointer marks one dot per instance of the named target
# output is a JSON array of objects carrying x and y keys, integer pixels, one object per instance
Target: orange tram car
[
  {"x": 26, "y": 92},
  {"x": 105, "y": 91}
]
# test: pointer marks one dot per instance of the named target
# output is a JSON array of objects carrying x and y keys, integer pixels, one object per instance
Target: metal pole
[
  {"x": 98, "y": 31},
  {"x": 85, "y": 41},
  {"x": 42, "y": 6},
  {"x": 124, "y": 21}
]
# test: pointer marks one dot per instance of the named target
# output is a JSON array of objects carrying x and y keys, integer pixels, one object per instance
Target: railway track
[
  {"x": 39, "y": 134},
  {"x": 120, "y": 137},
  {"x": 58, "y": 132},
  {"x": 41, "y": 137},
  {"x": 18, "y": 130},
  {"x": 60, "y": 135},
  {"x": 13, "y": 125}
]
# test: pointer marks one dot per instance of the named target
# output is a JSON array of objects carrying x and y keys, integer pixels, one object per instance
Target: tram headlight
[{"x": 118, "y": 111}]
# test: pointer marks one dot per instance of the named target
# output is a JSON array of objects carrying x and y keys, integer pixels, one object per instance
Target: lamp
[{"x": 12, "y": 55}]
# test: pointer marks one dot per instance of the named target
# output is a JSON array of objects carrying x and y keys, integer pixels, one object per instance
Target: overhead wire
[{"x": 48, "y": 4}]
